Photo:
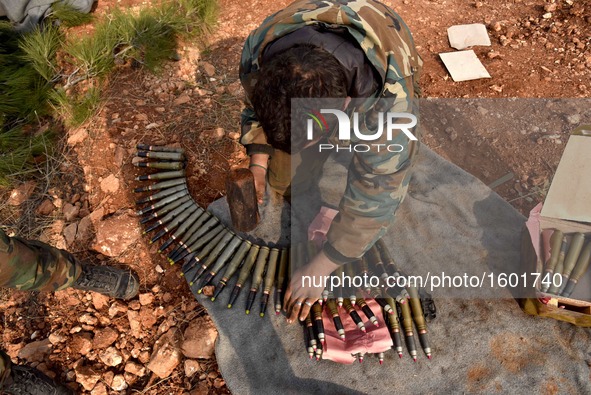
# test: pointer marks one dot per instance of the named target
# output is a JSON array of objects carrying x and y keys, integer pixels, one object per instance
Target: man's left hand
[{"x": 299, "y": 298}]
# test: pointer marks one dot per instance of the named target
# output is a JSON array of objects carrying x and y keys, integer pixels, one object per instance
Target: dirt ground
[{"x": 540, "y": 49}]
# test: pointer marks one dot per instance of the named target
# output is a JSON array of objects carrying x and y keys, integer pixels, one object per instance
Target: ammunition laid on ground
[
  {"x": 318, "y": 324},
  {"x": 269, "y": 279},
  {"x": 257, "y": 277},
  {"x": 207, "y": 246},
  {"x": 162, "y": 185},
  {"x": 162, "y": 165},
  {"x": 339, "y": 291},
  {"x": 243, "y": 275},
  {"x": 165, "y": 210},
  {"x": 176, "y": 221},
  {"x": 224, "y": 257},
  {"x": 409, "y": 337},
  {"x": 159, "y": 148},
  {"x": 167, "y": 175},
  {"x": 419, "y": 318},
  {"x": 193, "y": 218},
  {"x": 176, "y": 156},
  {"x": 162, "y": 194},
  {"x": 208, "y": 242},
  {"x": 212, "y": 256},
  {"x": 232, "y": 268},
  {"x": 353, "y": 313},
  {"x": 281, "y": 277},
  {"x": 200, "y": 233},
  {"x": 334, "y": 312},
  {"x": 394, "y": 327},
  {"x": 380, "y": 299},
  {"x": 307, "y": 340},
  {"x": 169, "y": 216},
  {"x": 350, "y": 272},
  {"x": 163, "y": 202},
  {"x": 367, "y": 311}
]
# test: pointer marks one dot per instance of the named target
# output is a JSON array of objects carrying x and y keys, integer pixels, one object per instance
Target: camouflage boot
[
  {"x": 107, "y": 280},
  {"x": 24, "y": 380}
]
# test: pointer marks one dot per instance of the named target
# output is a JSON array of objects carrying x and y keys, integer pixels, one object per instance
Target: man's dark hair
[{"x": 302, "y": 71}]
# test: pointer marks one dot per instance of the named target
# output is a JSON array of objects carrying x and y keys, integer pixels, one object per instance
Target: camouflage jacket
[{"x": 377, "y": 181}]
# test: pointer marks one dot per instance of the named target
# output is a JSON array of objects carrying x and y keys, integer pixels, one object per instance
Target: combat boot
[
  {"x": 24, "y": 380},
  {"x": 107, "y": 280}
]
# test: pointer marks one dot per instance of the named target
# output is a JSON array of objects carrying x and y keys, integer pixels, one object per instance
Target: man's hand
[
  {"x": 298, "y": 299},
  {"x": 258, "y": 167}
]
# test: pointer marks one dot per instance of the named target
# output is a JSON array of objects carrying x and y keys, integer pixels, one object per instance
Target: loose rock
[
  {"x": 199, "y": 339},
  {"x": 20, "y": 194},
  {"x": 191, "y": 367},
  {"x": 111, "y": 357},
  {"x": 35, "y": 351},
  {"x": 86, "y": 377},
  {"x": 104, "y": 338},
  {"x": 119, "y": 383},
  {"x": 115, "y": 234},
  {"x": 45, "y": 208},
  {"x": 135, "y": 368},
  {"x": 167, "y": 355},
  {"x": 110, "y": 184}
]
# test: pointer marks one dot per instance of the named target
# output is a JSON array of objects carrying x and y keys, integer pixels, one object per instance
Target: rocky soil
[{"x": 162, "y": 342}]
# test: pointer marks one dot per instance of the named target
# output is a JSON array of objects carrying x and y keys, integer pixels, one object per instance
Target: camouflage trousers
[
  {"x": 33, "y": 266},
  {"x": 4, "y": 368},
  {"x": 30, "y": 265}
]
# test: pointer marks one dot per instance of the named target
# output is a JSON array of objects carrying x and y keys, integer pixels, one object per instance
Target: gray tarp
[
  {"x": 479, "y": 345},
  {"x": 27, "y": 14}
]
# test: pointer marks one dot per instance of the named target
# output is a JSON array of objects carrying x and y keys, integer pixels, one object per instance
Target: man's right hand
[{"x": 258, "y": 167}]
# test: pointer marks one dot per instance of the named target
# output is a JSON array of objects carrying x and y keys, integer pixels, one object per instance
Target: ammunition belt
[{"x": 206, "y": 248}]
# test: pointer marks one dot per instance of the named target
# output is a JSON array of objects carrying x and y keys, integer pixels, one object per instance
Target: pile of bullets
[
  {"x": 569, "y": 259},
  {"x": 400, "y": 307},
  {"x": 206, "y": 248},
  {"x": 198, "y": 238}
]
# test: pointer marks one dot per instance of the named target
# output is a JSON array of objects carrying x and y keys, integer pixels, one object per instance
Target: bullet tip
[
  {"x": 262, "y": 314},
  {"x": 247, "y": 312},
  {"x": 230, "y": 305},
  {"x": 199, "y": 291},
  {"x": 429, "y": 356},
  {"x": 363, "y": 330},
  {"x": 182, "y": 274},
  {"x": 414, "y": 359},
  {"x": 381, "y": 362},
  {"x": 277, "y": 312},
  {"x": 213, "y": 298},
  {"x": 400, "y": 355}
]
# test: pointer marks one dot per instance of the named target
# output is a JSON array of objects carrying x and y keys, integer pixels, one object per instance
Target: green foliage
[
  {"x": 147, "y": 37},
  {"x": 17, "y": 151},
  {"x": 29, "y": 69},
  {"x": 40, "y": 48},
  {"x": 23, "y": 91},
  {"x": 68, "y": 16},
  {"x": 76, "y": 109},
  {"x": 93, "y": 54}
]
